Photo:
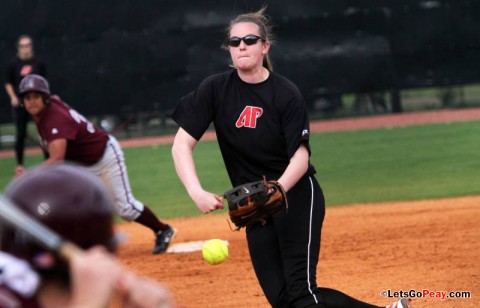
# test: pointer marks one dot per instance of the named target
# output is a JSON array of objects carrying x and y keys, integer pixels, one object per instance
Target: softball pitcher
[
  {"x": 262, "y": 127},
  {"x": 67, "y": 135}
]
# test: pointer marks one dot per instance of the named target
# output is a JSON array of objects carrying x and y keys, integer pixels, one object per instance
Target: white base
[{"x": 188, "y": 246}]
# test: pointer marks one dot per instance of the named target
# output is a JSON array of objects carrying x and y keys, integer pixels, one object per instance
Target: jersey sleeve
[
  {"x": 295, "y": 122},
  {"x": 59, "y": 128},
  {"x": 194, "y": 113}
]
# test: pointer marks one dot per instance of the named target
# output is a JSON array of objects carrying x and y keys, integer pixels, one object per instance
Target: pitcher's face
[{"x": 247, "y": 48}]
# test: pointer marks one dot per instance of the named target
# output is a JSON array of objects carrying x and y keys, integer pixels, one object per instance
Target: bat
[{"x": 15, "y": 217}]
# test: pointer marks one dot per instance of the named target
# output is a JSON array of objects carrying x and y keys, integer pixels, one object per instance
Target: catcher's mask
[{"x": 68, "y": 199}]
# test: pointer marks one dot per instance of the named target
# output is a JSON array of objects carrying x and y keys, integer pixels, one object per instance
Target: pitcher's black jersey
[{"x": 259, "y": 126}]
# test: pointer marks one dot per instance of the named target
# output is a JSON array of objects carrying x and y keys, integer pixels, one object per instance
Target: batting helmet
[
  {"x": 68, "y": 199},
  {"x": 34, "y": 82}
]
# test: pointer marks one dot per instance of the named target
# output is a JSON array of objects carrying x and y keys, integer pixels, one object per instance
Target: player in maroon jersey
[{"x": 67, "y": 135}]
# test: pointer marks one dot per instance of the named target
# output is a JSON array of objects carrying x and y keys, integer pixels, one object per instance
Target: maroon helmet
[
  {"x": 34, "y": 82},
  {"x": 68, "y": 199}
]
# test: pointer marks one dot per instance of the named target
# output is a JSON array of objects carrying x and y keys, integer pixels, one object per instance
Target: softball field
[{"x": 428, "y": 248}]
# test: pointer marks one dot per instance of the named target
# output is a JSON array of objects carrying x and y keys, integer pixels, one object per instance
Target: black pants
[
  {"x": 20, "y": 119},
  {"x": 285, "y": 252}
]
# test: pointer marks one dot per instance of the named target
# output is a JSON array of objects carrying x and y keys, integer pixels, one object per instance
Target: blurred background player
[
  {"x": 25, "y": 62},
  {"x": 67, "y": 135},
  {"x": 79, "y": 208},
  {"x": 262, "y": 127}
]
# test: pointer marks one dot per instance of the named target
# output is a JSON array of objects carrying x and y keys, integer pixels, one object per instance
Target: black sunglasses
[{"x": 248, "y": 40}]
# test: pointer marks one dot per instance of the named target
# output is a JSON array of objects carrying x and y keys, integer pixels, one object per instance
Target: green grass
[
  {"x": 398, "y": 164},
  {"x": 155, "y": 182},
  {"x": 419, "y": 162}
]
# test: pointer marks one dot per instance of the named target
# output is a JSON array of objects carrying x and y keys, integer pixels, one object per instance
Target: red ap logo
[
  {"x": 249, "y": 116},
  {"x": 26, "y": 69}
]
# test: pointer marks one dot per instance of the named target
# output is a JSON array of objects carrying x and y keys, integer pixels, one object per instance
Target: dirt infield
[
  {"x": 366, "y": 248},
  {"x": 421, "y": 246}
]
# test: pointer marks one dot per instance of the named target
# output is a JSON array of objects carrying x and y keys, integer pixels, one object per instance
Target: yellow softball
[{"x": 215, "y": 251}]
